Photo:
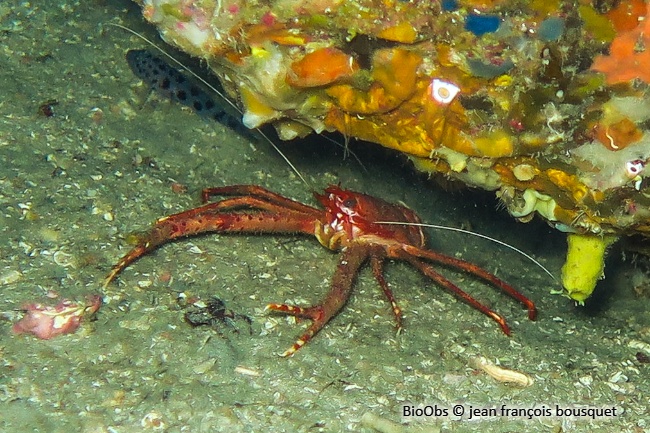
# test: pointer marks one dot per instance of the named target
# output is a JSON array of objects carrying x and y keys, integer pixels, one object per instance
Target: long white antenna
[
  {"x": 467, "y": 232},
  {"x": 295, "y": 170}
]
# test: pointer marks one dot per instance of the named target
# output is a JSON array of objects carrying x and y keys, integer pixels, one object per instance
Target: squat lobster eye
[{"x": 349, "y": 202}]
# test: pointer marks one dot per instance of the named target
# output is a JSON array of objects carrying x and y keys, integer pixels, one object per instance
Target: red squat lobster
[{"x": 348, "y": 224}]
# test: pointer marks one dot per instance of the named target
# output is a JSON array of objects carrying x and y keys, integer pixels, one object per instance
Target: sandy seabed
[{"x": 111, "y": 160}]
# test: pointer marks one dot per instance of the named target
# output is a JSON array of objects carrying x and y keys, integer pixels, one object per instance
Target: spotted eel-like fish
[{"x": 172, "y": 83}]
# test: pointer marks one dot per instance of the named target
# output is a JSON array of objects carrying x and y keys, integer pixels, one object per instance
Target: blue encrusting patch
[{"x": 482, "y": 24}]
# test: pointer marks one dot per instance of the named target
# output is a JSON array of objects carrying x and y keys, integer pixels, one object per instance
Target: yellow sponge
[{"x": 584, "y": 264}]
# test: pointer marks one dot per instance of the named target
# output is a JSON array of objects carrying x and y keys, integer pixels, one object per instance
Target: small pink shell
[{"x": 45, "y": 321}]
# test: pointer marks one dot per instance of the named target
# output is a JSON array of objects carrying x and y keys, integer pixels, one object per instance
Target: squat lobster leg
[
  {"x": 470, "y": 268},
  {"x": 378, "y": 272},
  {"x": 341, "y": 288}
]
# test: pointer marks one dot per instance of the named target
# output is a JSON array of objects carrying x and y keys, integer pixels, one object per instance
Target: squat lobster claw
[{"x": 348, "y": 223}]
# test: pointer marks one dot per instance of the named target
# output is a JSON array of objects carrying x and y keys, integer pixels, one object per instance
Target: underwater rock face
[{"x": 544, "y": 102}]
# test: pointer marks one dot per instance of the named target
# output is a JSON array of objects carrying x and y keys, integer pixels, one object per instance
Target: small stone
[{"x": 10, "y": 277}]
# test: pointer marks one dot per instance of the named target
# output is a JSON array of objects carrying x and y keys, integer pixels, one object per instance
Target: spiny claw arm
[
  {"x": 161, "y": 233},
  {"x": 351, "y": 261},
  {"x": 262, "y": 195},
  {"x": 255, "y": 216}
]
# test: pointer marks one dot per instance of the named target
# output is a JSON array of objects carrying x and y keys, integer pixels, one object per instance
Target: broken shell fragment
[{"x": 501, "y": 374}]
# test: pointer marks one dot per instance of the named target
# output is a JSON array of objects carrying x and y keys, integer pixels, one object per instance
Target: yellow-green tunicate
[{"x": 584, "y": 264}]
